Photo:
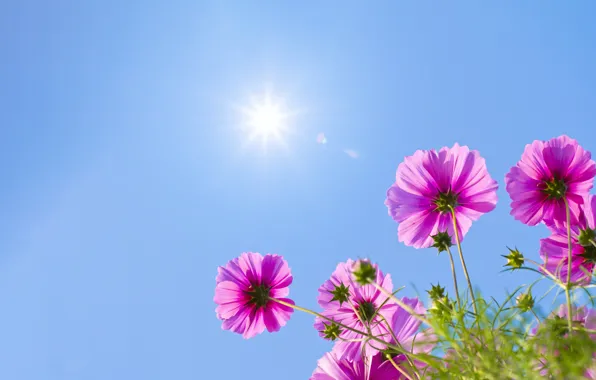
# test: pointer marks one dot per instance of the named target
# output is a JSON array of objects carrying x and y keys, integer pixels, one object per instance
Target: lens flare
[
  {"x": 351, "y": 153},
  {"x": 321, "y": 139}
]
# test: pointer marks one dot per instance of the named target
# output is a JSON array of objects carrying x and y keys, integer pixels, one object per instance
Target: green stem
[
  {"x": 555, "y": 279},
  {"x": 401, "y": 304},
  {"x": 397, "y": 342},
  {"x": 359, "y": 317},
  {"x": 296, "y": 307},
  {"x": 463, "y": 262},
  {"x": 399, "y": 369},
  {"x": 535, "y": 315},
  {"x": 454, "y": 277},
  {"x": 569, "y": 256},
  {"x": 364, "y": 334}
]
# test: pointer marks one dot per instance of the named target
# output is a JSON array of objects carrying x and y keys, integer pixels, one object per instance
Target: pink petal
[
  {"x": 275, "y": 272},
  {"x": 230, "y": 298},
  {"x": 255, "y": 324},
  {"x": 277, "y": 315}
]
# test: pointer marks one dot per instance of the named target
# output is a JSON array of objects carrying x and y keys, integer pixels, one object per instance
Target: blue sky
[{"x": 126, "y": 180}]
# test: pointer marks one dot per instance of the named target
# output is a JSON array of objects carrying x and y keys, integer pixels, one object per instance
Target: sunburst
[{"x": 266, "y": 119}]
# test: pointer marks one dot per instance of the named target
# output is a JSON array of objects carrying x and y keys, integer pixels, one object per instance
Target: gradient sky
[{"x": 126, "y": 180}]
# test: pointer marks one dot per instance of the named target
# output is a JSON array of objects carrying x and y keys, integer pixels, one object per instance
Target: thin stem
[
  {"x": 358, "y": 316},
  {"x": 323, "y": 317},
  {"x": 399, "y": 369},
  {"x": 383, "y": 319},
  {"x": 568, "y": 286},
  {"x": 397, "y": 341},
  {"x": 454, "y": 277},
  {"x": 385, "y": 302},
  {"x": 401, "y": 304},
  {"x": 372, "y": 337},
  {"x": 555, "y": 279},
  {"x": 463, "y": 262},
  {"x": 535, "y": 315}
]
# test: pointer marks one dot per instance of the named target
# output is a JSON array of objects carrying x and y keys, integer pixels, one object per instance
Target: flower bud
[
  {"x": 332, "y": 331},
  {"x": 442, "y": 241},
  {"x": 436, "y": 292},
  {"x": 515, "y": 259},
  {"x": 525, "y": 302},
  {"x": 340, "y": 293},
  {"x": 364, "y": 272}
]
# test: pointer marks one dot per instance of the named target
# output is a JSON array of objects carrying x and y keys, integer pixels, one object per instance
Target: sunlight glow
[{"x": 266, "y": 118}]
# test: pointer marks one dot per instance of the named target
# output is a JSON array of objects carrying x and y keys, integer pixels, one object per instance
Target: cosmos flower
[
  {"x": 244, "y": 287},
  {"x": 333, "y": 367},
  {"x": 554, "y": 249},
  {"x": 547, "y": 174},
  {"x": 429, "y": 184},
  {"x": 361, "y": 307}
]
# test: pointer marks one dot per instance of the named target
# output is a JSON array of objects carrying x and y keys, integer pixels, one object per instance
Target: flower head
[
  {"x": 430, "y": 184},
  {"x": 554, "y": 249},
  {"x": 548, "y": 174},
  {"x": 376, "y": 367},
  {"x": 245, "y": 286},
  {"x": 364, "y": 308}
]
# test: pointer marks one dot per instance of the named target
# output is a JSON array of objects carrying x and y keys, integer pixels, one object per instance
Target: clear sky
[{"x": 126, "y": 180}]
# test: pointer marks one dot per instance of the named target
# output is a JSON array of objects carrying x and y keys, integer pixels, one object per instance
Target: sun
[{"x": 266, "y": 118}]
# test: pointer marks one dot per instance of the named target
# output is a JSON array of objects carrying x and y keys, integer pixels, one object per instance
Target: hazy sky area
[{"x": 129, "y": 173}]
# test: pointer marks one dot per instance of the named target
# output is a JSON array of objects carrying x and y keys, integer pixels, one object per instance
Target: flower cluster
[
  {"x": 436, "y": 197},
  {"x": 551, "y": 184},
  {"x": 373, "y": 320}
]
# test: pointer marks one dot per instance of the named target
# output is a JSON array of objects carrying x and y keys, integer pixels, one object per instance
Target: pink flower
[
  {"x": 345, "y": 301},
  {"x": 243, "y": 291},
  {"x": 333, "y": 367},
  {"x": 554, "y": 249},
  {"x": 548, "y": 173},
  {"x": 429, "y": 184}
]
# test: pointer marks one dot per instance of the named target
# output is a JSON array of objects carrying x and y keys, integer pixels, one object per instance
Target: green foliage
[{"x": 504, "y": 341}]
